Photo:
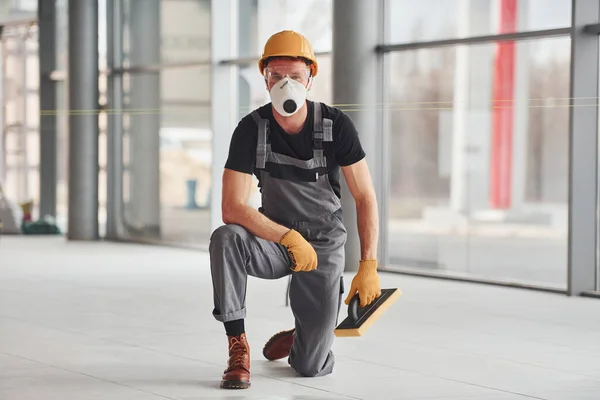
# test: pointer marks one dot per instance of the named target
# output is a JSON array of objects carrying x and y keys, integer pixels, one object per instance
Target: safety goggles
[{"x": 274, "y": 74}]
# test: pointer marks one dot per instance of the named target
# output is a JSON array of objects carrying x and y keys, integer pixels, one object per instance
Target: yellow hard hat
[{"x": 289, "y": 44}]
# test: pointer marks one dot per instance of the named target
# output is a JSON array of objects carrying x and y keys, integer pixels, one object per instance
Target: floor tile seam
[
  {"x": 213, "y": 364},
  {"x": 474, "y": 397},
  {"x": 525, "y": 396},
  {"x": 128, "y": 344},
  {"x": 90, "y": 376},
  {"x": 82, "y": 333},
  {"x": 443, "y": 378},
  {"x": 459, "y": 330},
  {"x": 486, "y": 313},
  {"x": 426, "y": 322},
  {"x": 108, "y": 340},
  {"x": 70, "y": 284},
  {"x": 131, "y": 345},
  {"x": 470, "y": 396},
  {"x": 26, "y": 369},
  {"x": 507, "y": 360}
]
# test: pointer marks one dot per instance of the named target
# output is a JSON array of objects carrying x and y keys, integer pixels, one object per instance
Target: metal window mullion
[
  {"x": 159, "y": 67},
  {"x": 355, "y": 35},
  {"x": 114, "y": 138},
  {"x": 246, "y": 61},
  {"x": 583, "y": 155},
  {"x": 47, "y": 14},
  {"x": 83, "y": 140},
  {"x": 24, "y": 179},
  {"x": 3, "y": 106},
  {"x": 224, "y": 93},
  {"x": 387, "y": 48},
  {"x": 384, "y": 142}
]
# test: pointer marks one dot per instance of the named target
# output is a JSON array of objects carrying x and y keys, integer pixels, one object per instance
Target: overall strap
[
  {"x": 322, "y": 130},
  {"x": 327, "y": 130},
  {"x": 261, "y": 145},
  {"x": 317, "y": 121}
]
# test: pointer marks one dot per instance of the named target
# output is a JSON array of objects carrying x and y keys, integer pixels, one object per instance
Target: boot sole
[{"x": 235, "y": 385}]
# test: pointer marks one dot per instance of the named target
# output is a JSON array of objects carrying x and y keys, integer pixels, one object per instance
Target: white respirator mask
[{"x": 288, "y": 96}]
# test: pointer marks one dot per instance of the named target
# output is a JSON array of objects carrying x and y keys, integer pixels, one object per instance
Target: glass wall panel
[
  {"x": 19, "y": 116},
  {"x": 62, "y": 117},
  {"x": 167, "y": 155},
  {"x": 259, "y": 19},
  {"x": 184, "y": 28},
  {"x": 24, "y": 6},
  {"x": 185, "y": 155},
  {"x": 425, "y": 20},
  {"x": 167, "y": 134},
  {"x": 597, "y": 283},
  {"x": 479, "y": 160}
]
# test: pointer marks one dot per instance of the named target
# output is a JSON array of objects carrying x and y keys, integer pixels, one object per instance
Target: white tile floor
[{"x": 117, "y": 321}]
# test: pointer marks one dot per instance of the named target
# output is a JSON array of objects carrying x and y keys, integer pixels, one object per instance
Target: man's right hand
[
  {"x": 235, "y": 209},
  {"x": 303, "y": 255}
]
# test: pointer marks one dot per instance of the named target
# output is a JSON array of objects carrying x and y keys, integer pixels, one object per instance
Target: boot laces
[{"x": 238, "y": 351}]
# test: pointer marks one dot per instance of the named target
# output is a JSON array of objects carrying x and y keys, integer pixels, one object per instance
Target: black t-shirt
[{"x": 345, "y": 149}]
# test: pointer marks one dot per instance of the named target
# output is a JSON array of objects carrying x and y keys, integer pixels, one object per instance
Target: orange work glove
[
  {"x": 303, "y": 255},
  {"x": 366, "y": 283}
]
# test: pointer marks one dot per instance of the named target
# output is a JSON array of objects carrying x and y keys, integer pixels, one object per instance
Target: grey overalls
[{"x": 313, "y": 209}]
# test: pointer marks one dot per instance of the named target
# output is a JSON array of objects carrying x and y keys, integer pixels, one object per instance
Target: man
[{"x": 296, "y": 148}]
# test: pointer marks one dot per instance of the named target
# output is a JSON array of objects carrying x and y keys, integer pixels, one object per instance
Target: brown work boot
[
  {"x": 279, "y": 345},
  {"x": 237, "y": 374}
]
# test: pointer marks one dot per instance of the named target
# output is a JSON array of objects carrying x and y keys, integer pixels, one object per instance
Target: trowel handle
[{"x": 353, "y": 308}]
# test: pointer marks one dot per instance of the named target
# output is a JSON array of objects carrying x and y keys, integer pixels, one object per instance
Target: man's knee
[
  {"x": 225, "y": 235},
  {"x": 311, "y": 371},
  {"x": 312, "y": 368}
]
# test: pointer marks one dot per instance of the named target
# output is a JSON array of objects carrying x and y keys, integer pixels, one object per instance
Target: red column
[{"x": 503, "y": 111}]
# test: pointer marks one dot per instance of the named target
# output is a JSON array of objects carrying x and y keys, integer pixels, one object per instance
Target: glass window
[
  {"x": 185, "y": 29},
  {"x": 479, "y": 139},
  {"x": 62, "y": 34},
  {"x": 426, "y": 20},
  {"x": 167, "y": 134},
  {"x": 168, "y": 155},
  {"x": 259, "y": 19},
  {"x": 62, "y": 117},
  {"x": 19, "y": 138},
  {"x": 25, "y": 5}
]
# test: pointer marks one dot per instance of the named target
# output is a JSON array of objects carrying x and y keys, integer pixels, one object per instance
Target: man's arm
[
  {"x": 236, "y": 191},
  {"x": 360, "y": 184},
  {"x": 366, "y": 280}
]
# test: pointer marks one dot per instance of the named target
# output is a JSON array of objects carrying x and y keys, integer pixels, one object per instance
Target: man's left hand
[{"x": 366, "y": 283}]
